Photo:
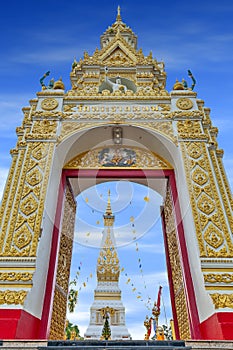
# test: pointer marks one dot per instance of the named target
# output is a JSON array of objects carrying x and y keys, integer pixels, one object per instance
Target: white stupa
[{"x": 107, "y": 295}]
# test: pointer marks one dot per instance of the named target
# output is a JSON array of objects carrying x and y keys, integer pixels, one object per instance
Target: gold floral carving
[
  {"x": 12, "y": 297},
  {"x": 16, "y": 276},
  {"x": 176, "y": 269},
  {"x": 69, "y": 128},
  {"x": 43, "y": 129},
  {"x": 184, "y": 103},
  {"x": 144, "y": 159},
  {"x": 218, "y": 278},
  {"x": 49, "y": 114},
  {"x": 213, "y": 236},
  {"x": 57, "y": 325},
  {"x": 190, "y": 129},
  {"x": 199, "y": 176},
  {"x": 205, "y": 203},
  {"x": 164, "y": 128},
  {"x": 222, "y": 300},
  {"x": 49, "y": 104}
]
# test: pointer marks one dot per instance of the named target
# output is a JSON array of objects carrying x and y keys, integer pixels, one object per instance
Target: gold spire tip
[{"x": 118, "y": 13}]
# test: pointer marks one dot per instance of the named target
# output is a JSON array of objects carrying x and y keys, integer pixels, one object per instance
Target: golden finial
[
  {"x": 109, "y": 209},
  {"x": 108, "y": 216},
  {"x": 118, "y": 14}
]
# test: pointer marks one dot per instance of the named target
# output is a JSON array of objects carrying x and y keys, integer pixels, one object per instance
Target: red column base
[
  {"x": 219, "y": 326},
  {"x": 18, "y": 324}
]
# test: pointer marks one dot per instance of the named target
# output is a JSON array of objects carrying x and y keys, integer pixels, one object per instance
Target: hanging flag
[
  {"x": 86, "y": 200},
  {"x": 159, "y": 297},
  {"x": 146, "y": 199},
  {"x": 149, "y": 330},
  {"x": 131, "y": 219}
]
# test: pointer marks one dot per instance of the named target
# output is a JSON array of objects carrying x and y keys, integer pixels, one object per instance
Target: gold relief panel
[
  {"x": 118, "y": 157},
  {"x": 190, "y": 129},
  {"x": 43, "y": 128}
]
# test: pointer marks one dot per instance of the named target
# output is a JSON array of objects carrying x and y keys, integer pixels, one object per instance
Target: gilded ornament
[
  {"x": 44, "y": 127},
  {"x": 218, "y": 278},
  {"x": 16, "y": 276},
  {"x": 28, "y": 205},
  {"x": 176, "y": 269},
  {"x": 49, "y": 104},
  {"x": 194, "y": 150},
  {"x": 206, "y": 204},
  {"x": 213, "y": 236},
  {"x": 22, "y": 237},
  {"x": 12, "y": 297},
  {"x": 222, "y": 300},
  {"x": 40, "y": 151},
  {"x": 34, "y": 177},
  {"x": 63, "y": 268},
  {"x": 144, "y": 159},
  {"x": 184, "y": 103},
  {"x": 199, "y": 176}
]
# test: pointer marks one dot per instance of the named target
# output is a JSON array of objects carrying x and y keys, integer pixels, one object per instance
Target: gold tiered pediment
[
  {"x": 118, "y": 56},
  {"x": 118, "y": 50}
]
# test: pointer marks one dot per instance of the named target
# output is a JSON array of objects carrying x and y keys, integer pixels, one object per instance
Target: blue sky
[{"x": 37, "y": 36}]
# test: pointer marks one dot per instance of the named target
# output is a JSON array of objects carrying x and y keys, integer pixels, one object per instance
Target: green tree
[
  {"x": 106, "y": 332},
  {"x": 72, "y": 331}
]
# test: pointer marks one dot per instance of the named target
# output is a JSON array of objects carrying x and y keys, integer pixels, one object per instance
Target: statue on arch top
[{"x": 117, "y": 85}]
